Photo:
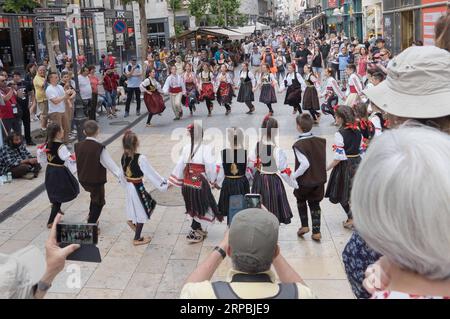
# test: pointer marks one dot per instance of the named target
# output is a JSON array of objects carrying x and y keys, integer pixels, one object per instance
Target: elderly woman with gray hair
[
  {"x": 416, "y": 92},
  {"x": 403, "y": 215}
]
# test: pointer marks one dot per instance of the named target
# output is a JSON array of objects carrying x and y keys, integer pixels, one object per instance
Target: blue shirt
[
  {"x": 217, "y": 55},
  {"x": 343, "y": 61},
  {"x": 134, "y": 81}
]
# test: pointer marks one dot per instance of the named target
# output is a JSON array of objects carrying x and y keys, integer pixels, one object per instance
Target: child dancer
[
  {"x": 269, "y": 162},
  {"x": 195, "y": 170},
  {"x": 246, "y": 85},
  {"x": 206, "y": 86},
  {"x": 311, "y": 175},
  {"x": 311, "y": 97},
  {"x": 354, "y": 88},
  {"x": 267, "y": 84},
  {"x": 92, "y": 162},
  {"x": 347, "y": 144},
  {"x": 139, "y": 204},
  {"x": 365, "y": 126},
  {"x": 174, "y": 86},
  {"x": 190, "y": 83},
  {"x": 61, "y": 185},
  {"x": 224, "y": 85},
  {"x": 294, "y": 84},
  {"x": 152, "y": 96},
  {"x": 232, "y": 177},
  {"x": 332, "y": 93}
]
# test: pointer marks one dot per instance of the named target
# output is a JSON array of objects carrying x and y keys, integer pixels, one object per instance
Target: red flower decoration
[
  {"x": 287, "y": 171},
  {"x": 352, "y": 126}
]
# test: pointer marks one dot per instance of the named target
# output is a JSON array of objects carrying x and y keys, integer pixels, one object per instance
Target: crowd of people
[{"x": 393, "y": 131}]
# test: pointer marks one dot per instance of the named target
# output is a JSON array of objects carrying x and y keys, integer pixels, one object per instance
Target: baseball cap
[
  {"x": 253, "y": 238},
  {"x": 20, "y": 271},
  {"x": 417, "y": 84}
]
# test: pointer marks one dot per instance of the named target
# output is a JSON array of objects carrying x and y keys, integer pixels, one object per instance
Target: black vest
[
  {"x": 234, "y": 162},
  {"x": 130, "y": 166},
  {"x": 52, "y": 155},
  {"x": 352, "y": 141}
]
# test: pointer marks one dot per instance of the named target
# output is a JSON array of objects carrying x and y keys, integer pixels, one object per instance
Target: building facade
[
  {"x": 344, "y": 16},
  {"x": 372, "y": 18}
]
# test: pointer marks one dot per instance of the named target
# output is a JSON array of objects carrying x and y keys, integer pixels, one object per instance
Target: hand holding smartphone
[{"x": 86, "y": 235}]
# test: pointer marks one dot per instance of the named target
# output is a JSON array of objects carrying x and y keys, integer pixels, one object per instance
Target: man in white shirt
[
  {"x": 86, "y": 91},
  {"x": 57, "y": 97},
  {"x": 133, "y": 71}
]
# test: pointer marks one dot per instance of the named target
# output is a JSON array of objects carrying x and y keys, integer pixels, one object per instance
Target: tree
[
  {"x": 143, "y": 24},
  {"x": 174, "y": 5},
  {"x": 199, "y": 9},
  {"x": 17, "y": 6},
  {"x": 220, "y": 12}
]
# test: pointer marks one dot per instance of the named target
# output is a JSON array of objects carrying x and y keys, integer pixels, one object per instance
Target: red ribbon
[
  {"x": 190, "y": 127},
  {"x": 287, "y": 171},
  {"x": 217, "y": 169},
  {"x": 352, "y": 126}
]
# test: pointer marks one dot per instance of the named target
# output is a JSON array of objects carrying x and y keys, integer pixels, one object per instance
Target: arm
[
  {"x": 176, "y": 178},
  {"x": 337, "y": 90},
  {"x": 357, "y": 83},
  {"x": 151, "y": 175},
  {"x": 206, "y": 269},
  {"x": 285, "y": 272},
  {"x": 339, "y": 152},
  {"x": 304, "y": 164},
  {"x": 167, "y": 84},
  {"x": 64, "y": 153},
  {"x": 108, "y": 163},
  {"x": 284, "y": 169}
]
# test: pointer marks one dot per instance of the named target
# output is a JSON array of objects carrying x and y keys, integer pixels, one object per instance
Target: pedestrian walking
[{"x": 133, "y": 72}]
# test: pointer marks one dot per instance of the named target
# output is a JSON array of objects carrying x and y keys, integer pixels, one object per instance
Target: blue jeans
[{"x": 111, "y": 98}]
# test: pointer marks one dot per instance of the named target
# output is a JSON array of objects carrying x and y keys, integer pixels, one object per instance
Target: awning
[
  {"x": 261, "y": 26},
  {"x": 316, "y": 17},
  {"x": 230, "y": 34},
  {"x": 246, "y": 30}
]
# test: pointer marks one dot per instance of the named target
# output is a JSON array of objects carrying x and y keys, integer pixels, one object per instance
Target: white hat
[
  {"x": 417, "y": 84},
  {"x": 19, "y": 272}
]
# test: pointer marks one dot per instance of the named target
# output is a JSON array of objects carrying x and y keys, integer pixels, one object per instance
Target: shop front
[
  {"x": 431, "y": 12},
  {"x": 373, "y": 18},
  {"x": 158, "y": 32}
]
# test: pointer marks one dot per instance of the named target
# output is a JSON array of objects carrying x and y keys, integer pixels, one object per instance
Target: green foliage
[
  {"x": 179, "y": 29},
  {"x": 174, "y": 5},
  {"x": 215, "y": 12},
  {"x": 18, "y": 6}
]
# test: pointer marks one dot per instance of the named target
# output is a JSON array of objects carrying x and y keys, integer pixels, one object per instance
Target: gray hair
[{"x": 401, "y": 199}]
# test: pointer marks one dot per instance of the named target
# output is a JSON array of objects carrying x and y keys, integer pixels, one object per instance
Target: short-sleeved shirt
[
  {"x": 85, "y": 87},
  {"x": 55, "y": 91},
  {"x": 135, "y": 80},
  {"x": 245, "y": 290},
  {"x": 38, "y": 83}
]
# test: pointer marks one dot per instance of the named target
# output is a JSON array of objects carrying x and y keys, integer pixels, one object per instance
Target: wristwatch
[
  {"x": 42, "y": 286},
  {"x": 221, "y": 251}
]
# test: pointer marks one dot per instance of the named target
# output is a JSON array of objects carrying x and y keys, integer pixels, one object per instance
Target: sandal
[
  {"x": 194, "y": 237},
  {"x": 202, "y": 232},
  {"x": 142, "y": 241},
  {"x": 302, "y": 231}
]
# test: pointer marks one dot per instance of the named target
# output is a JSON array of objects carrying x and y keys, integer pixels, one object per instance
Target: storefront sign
[{"x": 119, "y": 14}]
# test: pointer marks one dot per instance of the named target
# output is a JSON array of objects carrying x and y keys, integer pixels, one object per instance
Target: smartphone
[
  {"x": 83, "y": 234},
  {"x": 253, "y": 201},
  {"x": 237, "y": 203}
]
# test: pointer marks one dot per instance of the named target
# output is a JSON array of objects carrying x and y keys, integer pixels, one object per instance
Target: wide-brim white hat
[{"x": 417, "y": 84}]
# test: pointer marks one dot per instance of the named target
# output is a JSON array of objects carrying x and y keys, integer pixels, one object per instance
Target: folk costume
[
  {"x": 139, "y": 205},
  {"x": 174, "y": 87},
  {"x": 354, "y": 90},
  {"x": 311, "y": 97},
  {"x": 269, "y": 163},
  {"x": 347, "y": 145},
  {"x": 267, "y": 82},
  {"x": 247, "y": 83},
  {"x": 189, "y": 99},
  {"x": 232, "y": 177},
  {"x": 92, "y": 162},
  {"x": 207, "y": 90},
  {"x": 224, "y": 90},
  {"x": 294, "y": 85},
  {"x": 154, "y": 102},
  {"x": 311, "y": 175},
  {"x": 194, "y": 173},
  {"x": 61, "y": 185},
  {"x": 332, "y": 95}
]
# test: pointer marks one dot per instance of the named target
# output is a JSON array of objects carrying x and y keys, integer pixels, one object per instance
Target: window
[{"x": 156, "y": 27}]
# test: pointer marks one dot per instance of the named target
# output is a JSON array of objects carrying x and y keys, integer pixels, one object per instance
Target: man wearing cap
[
  {"x": 25, "y": 274},
  {"x": 252, "y": 245}
]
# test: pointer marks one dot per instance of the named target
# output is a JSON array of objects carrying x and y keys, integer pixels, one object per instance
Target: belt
[
  {"x": 137, "y": 180},
  {"x": 352, "y": 156},
  {"x": 235, "y": 177},
  {"x": 266, "y": 173},
  {"x": 56, "y": 165}
]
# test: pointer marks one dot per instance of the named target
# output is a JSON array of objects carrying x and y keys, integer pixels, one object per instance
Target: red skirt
[
  {"x": 207, "y": 91},
  {"x": 154, "y": 103}
]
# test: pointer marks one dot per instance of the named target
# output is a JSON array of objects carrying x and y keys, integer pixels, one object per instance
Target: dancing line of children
[
  {"x": 189, "y": 88},
  {"x": 261, "y": 170}
]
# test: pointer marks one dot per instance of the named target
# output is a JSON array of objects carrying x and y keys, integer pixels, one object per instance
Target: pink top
[
  {"x": 401, "y": 295},
  {"x": 362, "y": 66},
  {"x": 94, "y": 83}
]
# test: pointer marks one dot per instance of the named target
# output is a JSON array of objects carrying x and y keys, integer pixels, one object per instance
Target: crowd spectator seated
[{"x": 15, "y": 158}]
